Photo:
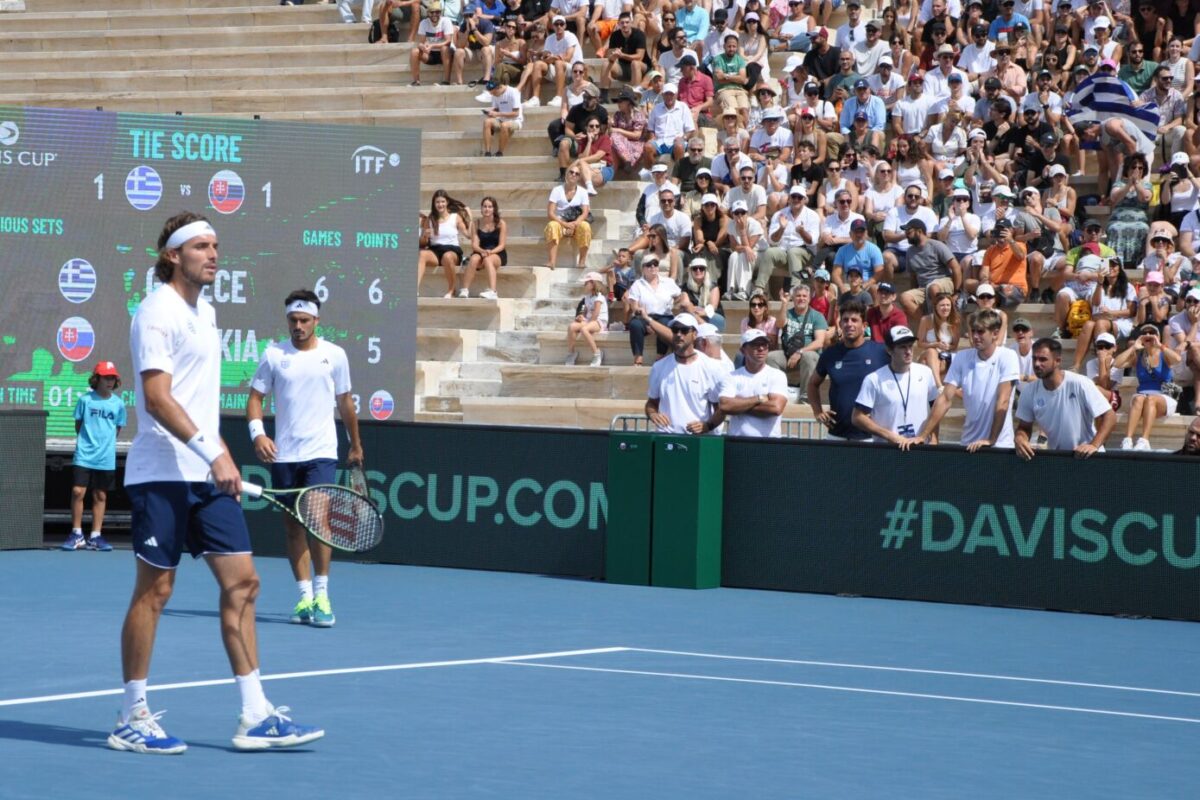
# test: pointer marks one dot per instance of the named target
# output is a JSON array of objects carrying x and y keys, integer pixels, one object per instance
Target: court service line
[
  {"x": 52, "y": 698},
  {"x": 980, "y": 675},
  {"x": 856, "y": 690}
]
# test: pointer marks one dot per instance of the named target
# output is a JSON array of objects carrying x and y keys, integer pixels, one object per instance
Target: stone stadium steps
[
  {"x": 199, "y": 80},
  {"x": 160, "y": 19},
  {"x": 238, "y": 36},
  {"x": 531, "y": 194},
  {"x": 134, "y": 62},
  {"x": 149, "y": 6}
]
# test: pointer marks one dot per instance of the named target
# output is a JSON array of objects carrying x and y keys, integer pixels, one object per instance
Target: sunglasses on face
[
  {"x": 843, "y": 202},
  {"x": 758, "y": 305},
  {"x": 912, "y": 197}
]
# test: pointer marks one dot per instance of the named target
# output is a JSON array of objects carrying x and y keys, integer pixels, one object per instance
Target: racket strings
[{"x": 341, "y": 517}]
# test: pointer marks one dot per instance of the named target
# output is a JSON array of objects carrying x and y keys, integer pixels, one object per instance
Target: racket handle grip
[{"x": 252, "y": 490}]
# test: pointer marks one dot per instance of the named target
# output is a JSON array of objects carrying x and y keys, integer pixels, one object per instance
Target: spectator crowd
[{"x": 850, "y": 170}]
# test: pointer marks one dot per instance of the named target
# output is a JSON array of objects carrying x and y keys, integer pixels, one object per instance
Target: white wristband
[
  {"x": 208, "y": 449},
  {"x": 257, "y": 429}
]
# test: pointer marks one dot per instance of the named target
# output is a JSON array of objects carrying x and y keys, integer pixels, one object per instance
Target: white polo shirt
[
  {"x": 306, "y": 385},
  {"x": 742, "y": 383},
  {"x": 1067, "y": 415},
  {"x": 181, "y": 340},
  {"x": 898, "y": 402},
  {"x": 686, "y": 392},
  {"x": 980, "y": 380}
]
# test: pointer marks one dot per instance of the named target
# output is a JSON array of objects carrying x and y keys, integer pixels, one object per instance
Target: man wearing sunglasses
[
  {"x": 895, "y": 225},
  {"x": 1172, "y": 108},
  {"x": 753, "y": 396},
  {"x": 794, "y": 230},
  {"x": 684, "y": 388}
]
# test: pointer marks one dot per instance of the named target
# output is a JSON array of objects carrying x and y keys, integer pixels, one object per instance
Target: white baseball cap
[
  {"x": 659, "y": 168},
  {"x": 753, "y": 335},
  {"x": 985, "y": 290},
  {"x": 669, "y": 88},
  {"x": 1106, "y": 338},
  {"x": 1102, "y": 22},
  {"x": 706, "y": 330},
  {"x": 1057, "y": 169},
  {"x": 593, "y": 276},
  {"x": 1180, "y": 158},
  {"x": 709, "y": 198},
  {"x": 739, "y": 205},
  {"x": 685, "y": 320}
]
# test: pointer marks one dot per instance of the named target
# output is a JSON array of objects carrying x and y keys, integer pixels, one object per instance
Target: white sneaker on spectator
[
  {"x": 590, "y": 188},
  {"x": 1142, "y": 444},
  {"x": 448, "y": 296},
  {"x": 597, "y": 359},
  {"x": 555, "y": 101},
  {"x": 488, "y": 294},
  {"x": 1127, "y": 443},
  {"x": 483, "y": 96},
  {"x": 570, "y": 359},
  {"x": 532, "y": 102},
  {"x": 463, "y": 293}
]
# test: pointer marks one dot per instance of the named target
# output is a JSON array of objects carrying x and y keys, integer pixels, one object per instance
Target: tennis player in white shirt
[{"x": 309, "y": 378}]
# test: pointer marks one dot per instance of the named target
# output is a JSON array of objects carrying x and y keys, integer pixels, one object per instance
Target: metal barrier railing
[{"x": 792, "y": 428}]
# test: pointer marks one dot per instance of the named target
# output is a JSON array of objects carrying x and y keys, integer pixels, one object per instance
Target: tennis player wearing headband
[
  {"x": 177, "y": 370},
  {"x": 309, "y": 377}
]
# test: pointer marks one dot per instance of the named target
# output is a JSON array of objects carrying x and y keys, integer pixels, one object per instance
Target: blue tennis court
[{"x": 450, "y": 683}]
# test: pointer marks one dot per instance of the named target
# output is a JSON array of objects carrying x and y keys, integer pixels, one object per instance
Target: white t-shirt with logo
[
  {"x": 508, "y": 102},
  {"x": 1067, "y": 415},
  {"x": 556, "y": 46},
  {"x": 438, "y": 34},
  {"x": 686, "y": 392},
  {"x": 742, "y": 383},
  {"x": 898, "y": 402},
  {"x": 181, "y": 340},
  {"x": 980, "y": 381},
  {"x": 306, "y": 384}
]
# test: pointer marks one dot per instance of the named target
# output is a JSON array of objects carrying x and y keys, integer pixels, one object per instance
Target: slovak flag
[
  {"x": 382, "y": 405},
  {"x": 76, "y": 339}
]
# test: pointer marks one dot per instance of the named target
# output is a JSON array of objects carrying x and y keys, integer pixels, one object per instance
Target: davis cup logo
[
  {"x": 9, "y": 133},
  {"x": 76, "y": 339},
  {"x": 382, "y": 405},
  {"x": 226, "y": 191},
  {"x": 143, "y": 188},
  {"x": 77, "y": 281}
]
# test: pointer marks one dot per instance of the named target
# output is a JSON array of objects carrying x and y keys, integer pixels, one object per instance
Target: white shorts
[
  {"x": 1076, "y": 291},
  {"x": 1172, "y": 403}
]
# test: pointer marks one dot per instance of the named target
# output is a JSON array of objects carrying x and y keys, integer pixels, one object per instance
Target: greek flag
[{"x": 1100, "y": 97}]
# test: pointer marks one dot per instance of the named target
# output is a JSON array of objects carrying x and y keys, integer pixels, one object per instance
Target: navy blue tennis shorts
[
  {"x": 299, "y": 474},
  {"x": 171, "y": 515}
]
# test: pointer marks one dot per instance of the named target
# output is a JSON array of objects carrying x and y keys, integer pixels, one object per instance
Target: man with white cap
[
  {"x": 1067, "y": 407},
  {"x": 753, "y": 396},
  {"x": 308, "y": 378},
  {"x": 708, "y": 342},
  {"x": 959, "y": 230},
  {"x": 937, "y": 80},
  {"x": 893, "y": 403},
  {"x": 669, "y": 124},
  {"x": 794, "y": 230},
  {"x": 184, "y": 489},
  {"x": 560, "y": 52},
  {"x": 648, "y": 204},
  {"x": 684, "y": 387},
  {"x": 886, "y": 83}
]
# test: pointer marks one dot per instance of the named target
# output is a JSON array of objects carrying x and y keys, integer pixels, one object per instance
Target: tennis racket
[
  {"x": 356, "y": 479},
  {"x": 339, "y": 516}
]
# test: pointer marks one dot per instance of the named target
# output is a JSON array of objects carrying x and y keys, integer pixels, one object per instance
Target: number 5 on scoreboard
[{"x": 373, "y": 351}]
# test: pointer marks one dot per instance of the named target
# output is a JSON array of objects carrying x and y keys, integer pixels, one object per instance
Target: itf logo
[
  {"x": 369, "y": 160},
  {"x": 9, "y": 133},
  {"x": 382, "y": 405},
  {"x": 143, "y": 188},
  {"x": 226, "y": 191},
  {"x": 77, "y": 280},
  {"x": 76, "y": 339}
]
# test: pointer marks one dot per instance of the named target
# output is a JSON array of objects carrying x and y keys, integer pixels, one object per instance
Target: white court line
[
  {"x": 856, "y": 690},
  {"x": 52, "y": 698},
  {"x": 980, "y": 675}
]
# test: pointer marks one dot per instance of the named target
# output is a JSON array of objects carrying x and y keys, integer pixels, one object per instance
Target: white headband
[
  {"x": 189, "y": 231},
  {"x": 303, "y": 307}
]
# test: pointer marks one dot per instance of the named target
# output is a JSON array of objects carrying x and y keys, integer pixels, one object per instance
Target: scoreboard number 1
[{"x": 99, "y": 181}]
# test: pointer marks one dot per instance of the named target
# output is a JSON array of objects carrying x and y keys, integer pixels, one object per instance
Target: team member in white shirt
[
  {"x": 1068, "y": 407},
  {"x": 754, "y": 395},
  {"x": 683, "y": 392},
  {"x": 984, "y": 376},
  {"x": 708, "y": 342},
  {"x": 183, "y": 489},
  {"x": 893, "y": 403},
  {"x": 309, "y": 377}
]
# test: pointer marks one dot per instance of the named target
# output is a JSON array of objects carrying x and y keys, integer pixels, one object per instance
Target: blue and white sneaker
[
  {"x": 143, "y": 734},
  {"x": 98, "y": 543},
  {"x": 302, "y": 613},
  {"x": 76, "y": 541},
  {"x": 322, "y": 612},
  {"x": 277, "y": 730}
]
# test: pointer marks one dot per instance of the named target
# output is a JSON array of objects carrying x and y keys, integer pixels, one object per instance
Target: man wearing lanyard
[{"x": 893, "y": 403}]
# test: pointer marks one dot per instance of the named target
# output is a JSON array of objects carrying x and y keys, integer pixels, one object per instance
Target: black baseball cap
[{"x": 916, "y": 224}]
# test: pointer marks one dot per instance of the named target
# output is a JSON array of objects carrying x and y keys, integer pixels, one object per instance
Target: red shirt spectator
[
  {"x": 697, "y": 90},
  {"x": 886, "y": 314}
]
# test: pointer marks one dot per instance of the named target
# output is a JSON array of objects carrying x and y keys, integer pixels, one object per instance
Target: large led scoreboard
[{"x": 84, "y": 195}]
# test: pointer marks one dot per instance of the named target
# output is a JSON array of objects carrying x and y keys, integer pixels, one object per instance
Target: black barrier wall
[
  {"x": 22, "y": 481},
  {"x": 1113, "y": 534},
  {"x": 517, "y": 499}
]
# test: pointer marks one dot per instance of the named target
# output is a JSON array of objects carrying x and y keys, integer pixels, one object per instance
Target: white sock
[
  {"x": 255, "y": 707},
  {"x": 306, "y": 589},
  {"x": 93, "y": 534},
  {"x": 135, "y": 699},
  {"x": 321, "y": 584},
  {"x": 77, "y": 530}
]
